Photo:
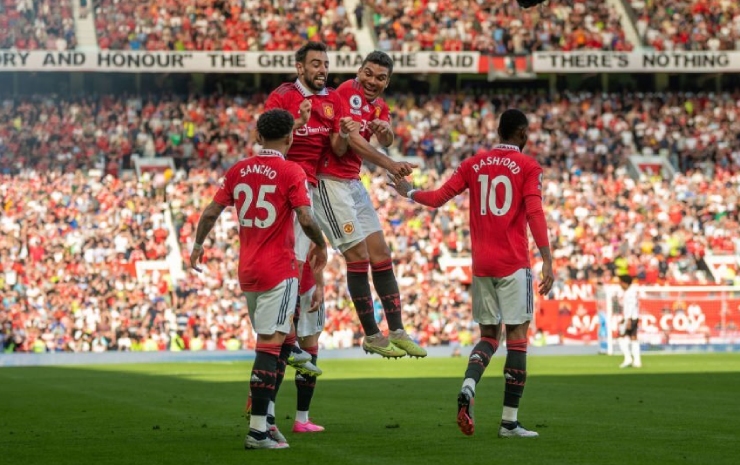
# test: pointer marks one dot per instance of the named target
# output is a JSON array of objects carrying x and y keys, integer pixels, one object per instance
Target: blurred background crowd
[{"x": 75, "y": 220}]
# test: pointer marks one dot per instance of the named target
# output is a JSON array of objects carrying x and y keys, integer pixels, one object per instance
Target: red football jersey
[
  {"x": 499, "y": 182},
  {"x": 310, "y": 142},
  {"x": 265, "y": 190},
  {"x": 362, "y": 111}
]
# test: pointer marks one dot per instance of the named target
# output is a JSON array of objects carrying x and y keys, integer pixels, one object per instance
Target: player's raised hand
[
  {"x": 317, "y": 258},
  {"x": 401, "y": 168},
  {"x": 317, "y": 299},
  {"x": 196, "y": 256},
  {"x": 348, "y": 125},
  {"x": 304, "y": 112},
  {"x": 548, "y": 278}
]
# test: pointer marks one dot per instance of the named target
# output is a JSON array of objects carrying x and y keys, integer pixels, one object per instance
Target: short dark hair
[
  {"x": 275, "y": 124},
  {"x": 626, "y": 279},
  {"x": 302, "y": 53},
  {"x": 381, "y": 59},
  {"x": 511, "y": 120}
]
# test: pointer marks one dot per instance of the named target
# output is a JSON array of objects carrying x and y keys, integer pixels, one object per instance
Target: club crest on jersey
[
  {"x": 328, "y": 110},
  {"x": 349, "y": 227},
  {"x": 377, "y": 112},
  {"x": 355, "y": 102}
]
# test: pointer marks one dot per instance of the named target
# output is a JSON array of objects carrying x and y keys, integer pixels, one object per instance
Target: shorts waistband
[{"x": 334, "y": 178}]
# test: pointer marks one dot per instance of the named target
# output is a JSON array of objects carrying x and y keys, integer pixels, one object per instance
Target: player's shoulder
[
  {"x": 348, "y": 86},
  {"x": 381, "y": 103},
  {"x": 285, "y": 88},
  {"x": 529, "y": 161}
]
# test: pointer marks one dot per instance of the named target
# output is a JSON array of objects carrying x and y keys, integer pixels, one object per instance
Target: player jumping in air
[{"x": 347, "y": 215}]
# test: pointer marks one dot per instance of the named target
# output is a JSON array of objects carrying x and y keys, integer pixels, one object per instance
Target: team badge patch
[
  {"x": 377, "y": 112},
  {"x": 355, "y": 102},
  {"x": 349, "y": 227},
  {"x": 329, "y": 110}
]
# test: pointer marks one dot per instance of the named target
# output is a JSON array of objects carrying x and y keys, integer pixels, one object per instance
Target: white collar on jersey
[
  {"x": 269, "y": 153},
  {"x": 506, "y": 147},
  {"x": 307, "y": 92}
]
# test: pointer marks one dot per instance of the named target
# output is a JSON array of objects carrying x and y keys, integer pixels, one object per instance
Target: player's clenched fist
[
  {"x": 304, "y": 112},
  {"x": 379, "y": 127},
  {"x": 348, "y": 125}
]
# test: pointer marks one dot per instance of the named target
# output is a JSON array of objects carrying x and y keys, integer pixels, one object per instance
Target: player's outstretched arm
[
  {"x": 317, "y": 256},
  {"x": 205, "y": 224},
  {"x": 367, "y": 152},
  {"x": 434, "y": 198}
]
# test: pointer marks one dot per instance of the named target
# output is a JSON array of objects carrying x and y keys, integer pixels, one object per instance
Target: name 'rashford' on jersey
[
  {"x": 311, "y": 142},
  {"x": 499, "y": 182},
  {"x": 265, "y": 190},
  {"x": 361, "y": 110}
]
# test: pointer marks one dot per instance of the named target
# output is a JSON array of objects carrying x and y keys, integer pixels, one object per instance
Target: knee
[{"x": 357, "y": 253}]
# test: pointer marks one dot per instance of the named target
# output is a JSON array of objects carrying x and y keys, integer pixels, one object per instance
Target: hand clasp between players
[{"x": 399, "y": 183}]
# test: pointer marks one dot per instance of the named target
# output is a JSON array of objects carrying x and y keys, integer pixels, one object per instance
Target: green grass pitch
[{"x": 678, "y": 409}]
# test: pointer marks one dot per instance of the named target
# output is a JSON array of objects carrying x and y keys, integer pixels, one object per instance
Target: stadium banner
[
  {"x": 108, "y": 61},
  {"x": 571, "y": 313},
  {"x": 636, "y": 62}
]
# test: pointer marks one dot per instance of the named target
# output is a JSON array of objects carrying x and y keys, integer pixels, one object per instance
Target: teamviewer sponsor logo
[{"x": 306, "y": 130}]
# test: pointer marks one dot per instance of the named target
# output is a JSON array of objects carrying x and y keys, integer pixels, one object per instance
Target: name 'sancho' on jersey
[
  {"x": 500, "y": 161},
  {"x": 258, "y": 169}
]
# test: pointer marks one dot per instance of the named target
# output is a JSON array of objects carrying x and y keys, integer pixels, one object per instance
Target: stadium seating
[
  {"x": 37, "y": 25},
  {"x": 70, "y": 241},
  {"x": 217, "y": 25},
  {"x": 689, "y": 25},
  {"x": 496, "y": 26}
]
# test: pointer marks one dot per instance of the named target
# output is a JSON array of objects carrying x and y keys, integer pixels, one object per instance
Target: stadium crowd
[
  {"x": 497, "y": 27},
  {"x": 689, "y": 25},
  {"x": 221, "y": 25},
  {"x": 70, "y": 237},
  {"x": 37, "y": 25}
]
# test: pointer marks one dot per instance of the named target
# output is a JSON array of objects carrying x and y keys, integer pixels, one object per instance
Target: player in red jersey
[
  {"x": 266, "y": 191},
  {"x": 505, "y": 195},
  {"x": 347, "y": 215},
  {"x": 320, "y": 127}
]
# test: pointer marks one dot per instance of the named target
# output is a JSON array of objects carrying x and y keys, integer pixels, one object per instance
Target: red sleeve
[
  {"x": 536, "y": 220},
  {"x": 274, "y": 100},
  {"x": 225, "y": 194},
  {"x": 297, "y": 187},
  {"x": 454, "y": 186},
  {"x": 340, "y": 111},
  {"x": 348, "y": 94},
  {"x": 533, "y": 181}
]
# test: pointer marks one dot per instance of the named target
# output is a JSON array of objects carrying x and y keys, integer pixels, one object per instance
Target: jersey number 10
[
  {"x": 248, "y": 220},
  {"x": 488, "y": 200}
]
